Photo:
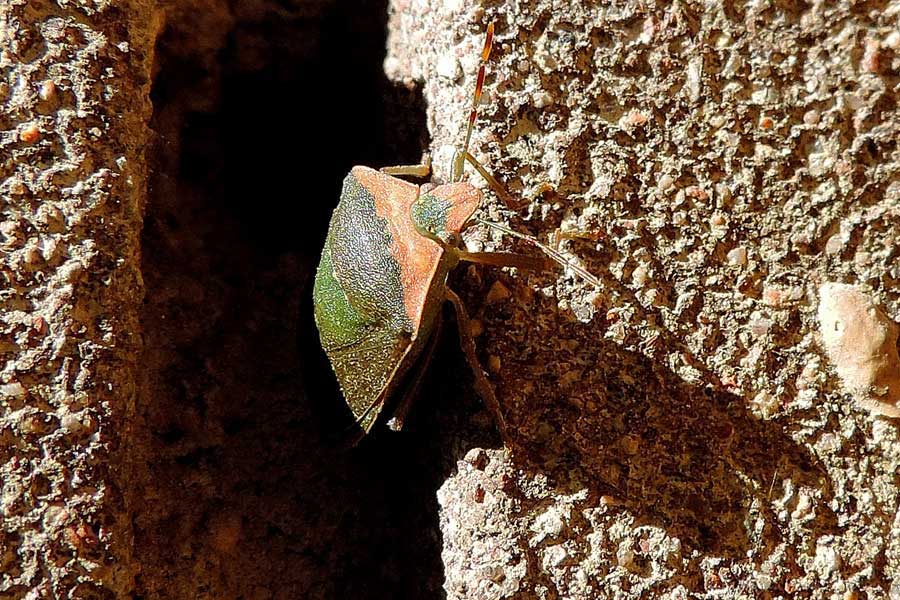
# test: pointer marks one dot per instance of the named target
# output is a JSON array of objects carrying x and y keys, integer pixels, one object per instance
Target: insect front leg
[
  {"x": 421, "y": 170},
  {"x": 495, "y": 185}
]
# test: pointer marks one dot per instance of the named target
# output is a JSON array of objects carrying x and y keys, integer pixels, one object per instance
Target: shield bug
[{"x": 382, "y": 278}]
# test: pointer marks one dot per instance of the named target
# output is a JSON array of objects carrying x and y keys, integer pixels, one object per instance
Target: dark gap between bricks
[{"x": 241, "y": 486}]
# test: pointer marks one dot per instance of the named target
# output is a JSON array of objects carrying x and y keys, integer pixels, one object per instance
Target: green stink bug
[{"x": 382, "y": 278}]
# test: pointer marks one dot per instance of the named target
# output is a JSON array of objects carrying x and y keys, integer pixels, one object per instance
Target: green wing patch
[{"x": 358, "y": 299}]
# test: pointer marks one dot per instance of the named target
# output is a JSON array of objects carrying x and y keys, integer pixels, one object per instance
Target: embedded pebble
[
  {"x": 30, "y": 134},
  {"x": 554, "y": 556},
  {"x": 448, "y": 67},
  {"x": 497, "y": 293},
  {"x": 777, "y": 296},
  {"x": 632, "y": 120},
  {"x": 542, "y": 99},
  {"x": 737, "y": 256},
  {"x": 765, "y": 404},
  {"x": 665, "y": 182},
  {"x": 548, "y": 524},
  {"x": 871, "y": 60},
  {"x": 861, "y": 342},
  {"x": 12, "y": 390},
  {"x": 47, "y": 91},
  {"x": 826, "y": 561},
  {"x": 625, "y": 555},
  {"x": 639, "y": 276},
  {"x": 835, "y": 244},
  {"x": 759, "y": 324}
]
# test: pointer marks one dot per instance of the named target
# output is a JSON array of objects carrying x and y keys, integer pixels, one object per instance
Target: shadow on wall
[
  {"x": 590, "y": 415},
  {"x": 241, "y": 490}
]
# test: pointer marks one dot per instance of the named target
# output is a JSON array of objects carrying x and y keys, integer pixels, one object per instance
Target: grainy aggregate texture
[
  {"x": 713, "y": 422},
  {"x": 73, "y": 128},
  {"x": 722, "y": 167}
]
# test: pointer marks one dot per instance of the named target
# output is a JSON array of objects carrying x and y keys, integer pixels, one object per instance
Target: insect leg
[
  {"x": 421, "y": 170},
  {"x": 412, "y": 389},
  {"x": 554, "y": 255},
  {"x": 482, "y": 386},
  {"x": 507, "y": 259},
  {"x": 495, "y": 185}
]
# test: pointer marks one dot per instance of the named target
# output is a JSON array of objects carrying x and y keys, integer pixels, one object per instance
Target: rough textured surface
[
  {"x": 679, "y": 432},
  {"x": 73, "y": 128}
]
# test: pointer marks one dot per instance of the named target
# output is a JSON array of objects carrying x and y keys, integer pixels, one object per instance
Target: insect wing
[{"x": 358, "y": 299}]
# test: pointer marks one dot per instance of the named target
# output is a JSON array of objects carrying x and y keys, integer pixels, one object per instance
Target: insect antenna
[
  {"x": 460, "y": 156},
  {"x": 553, "y": 254}
]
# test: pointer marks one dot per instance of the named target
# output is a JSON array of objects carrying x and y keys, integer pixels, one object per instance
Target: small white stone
[
  {"x": 892, "y": 41},
  {"x": 693, "y": 79},
  {"x": 804, "y": 509},
  {"x": 542, "y": 99},
  {"x": 548, "y": 524},
  {"x": 554, "y": 556},
  {"x": 826, "y": 562},
  {"x": 448, "y": 67},
  {"x": 12, "y": 390},
  {"x": 665, "y": 182},
  {"x": 625, "y": 555},
  {"x": 759, "y": 324},
  {"x": 835, "y": 244},
  {"x": 640, "y": 276},
  {"x": 72, "y": 423},
  {"x": 737, "y": 256},
  {"x": 765, "y": 404}
]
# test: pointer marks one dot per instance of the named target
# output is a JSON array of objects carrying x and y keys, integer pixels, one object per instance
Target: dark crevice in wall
[{"x": 244, "y": 489}]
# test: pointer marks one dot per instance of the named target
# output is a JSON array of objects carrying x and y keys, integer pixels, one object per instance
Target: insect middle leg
[
  {"x": 482, "y": 385},
  {"x": 507, "y": 259}
]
